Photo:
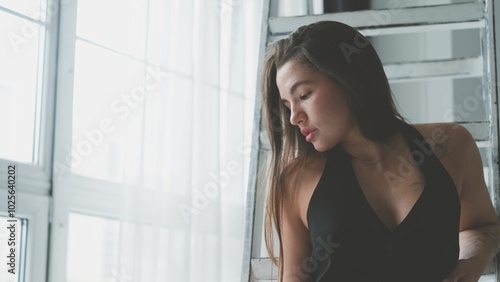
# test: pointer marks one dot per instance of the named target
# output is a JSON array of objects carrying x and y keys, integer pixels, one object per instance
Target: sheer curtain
[
  {"x": 185, "y": 151},
  {"x": 177, "y": 146}
]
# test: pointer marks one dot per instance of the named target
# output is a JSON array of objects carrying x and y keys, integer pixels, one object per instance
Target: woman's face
[{"x": 318, "y": 105}]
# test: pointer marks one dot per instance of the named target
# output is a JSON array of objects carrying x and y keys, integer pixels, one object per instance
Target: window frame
[
  {"x": 33, "y": 180},
  {"x": 61, "y": 183}
]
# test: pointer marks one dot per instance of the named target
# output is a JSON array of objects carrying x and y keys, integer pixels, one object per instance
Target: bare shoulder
[
  {"x": 297, "y": 174},
  {"x": 453, "y": 144},
  {"x": 448, "y": 140},
  {"x": 300, "y": 180},
  {"x": 294, "y": 232}
]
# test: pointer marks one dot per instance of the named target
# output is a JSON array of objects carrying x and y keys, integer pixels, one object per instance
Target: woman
[{"x": 356, "y": 192}]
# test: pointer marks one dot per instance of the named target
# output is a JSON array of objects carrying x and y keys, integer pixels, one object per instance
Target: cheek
[
  {"x": 331, "y": 108},
  {"x": 336, "y": 115},
  {"x": 340, "y": 106}
]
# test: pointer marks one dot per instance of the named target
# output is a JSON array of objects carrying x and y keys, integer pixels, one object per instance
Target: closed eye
[{"x": 305, "y": 96}]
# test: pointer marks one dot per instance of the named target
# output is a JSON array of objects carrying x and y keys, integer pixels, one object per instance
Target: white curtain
[
  {"x": 180, "y": 142},
  {"x": 186, "y": 149}
]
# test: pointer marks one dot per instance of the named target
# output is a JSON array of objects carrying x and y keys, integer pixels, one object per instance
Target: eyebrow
[{"x": 296, "y": 85}]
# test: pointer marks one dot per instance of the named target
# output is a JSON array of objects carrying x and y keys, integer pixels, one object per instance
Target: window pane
[
  {"x": 35, "y": 9},
  {"x": 103, "y": 107},
  {"x": 105, "y": 250},
  {"x": 92, "y": 248},
  {"x": 13, "y": 235},
  {"x": 19, "y": 85},
  {"x": 125, "y": 32}
]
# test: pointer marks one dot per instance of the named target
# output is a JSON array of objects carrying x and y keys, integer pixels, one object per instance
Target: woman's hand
[{"x": 466, "y": 270}]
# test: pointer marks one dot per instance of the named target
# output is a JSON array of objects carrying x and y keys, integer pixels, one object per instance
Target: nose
[{"x": 297, "y": 115}]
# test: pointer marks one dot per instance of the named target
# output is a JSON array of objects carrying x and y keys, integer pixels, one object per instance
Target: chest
[{"x": 390, "y": 194}]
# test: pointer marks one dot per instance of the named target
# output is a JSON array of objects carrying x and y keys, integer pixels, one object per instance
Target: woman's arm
[
  {"x": 295, "y": 236},
  {"x": 478, "y": 245},
  {"x": 300, "y": 182},
  {"x": 296, "y": 248},
  {"x": 479, "y": 227}
]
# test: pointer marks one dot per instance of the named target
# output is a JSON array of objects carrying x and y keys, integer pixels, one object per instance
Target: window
[
  {"x": 157, "y": 113},
  {"x": 22, "y": 78},
  {"x": 27, "y": 81},
  {"x": 111, "y": 74},
  {"x": 126, "y": 75},
  {"x": 92, "y": 248}
]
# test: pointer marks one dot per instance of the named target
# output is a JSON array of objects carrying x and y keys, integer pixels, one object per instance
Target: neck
[{"x": 365, "y": 151}]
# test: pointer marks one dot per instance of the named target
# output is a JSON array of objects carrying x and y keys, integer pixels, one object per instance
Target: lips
[{"x": 308, "y": 133}]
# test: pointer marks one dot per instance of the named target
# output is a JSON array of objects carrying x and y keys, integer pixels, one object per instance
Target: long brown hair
[{"x": 346, "y": 57}]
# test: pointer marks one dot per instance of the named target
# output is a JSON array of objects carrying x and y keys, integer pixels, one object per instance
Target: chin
[{"x": 321, "y": 147}]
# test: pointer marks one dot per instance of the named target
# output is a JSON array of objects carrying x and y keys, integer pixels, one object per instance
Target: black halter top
[{"x": 349, "y": 242}]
